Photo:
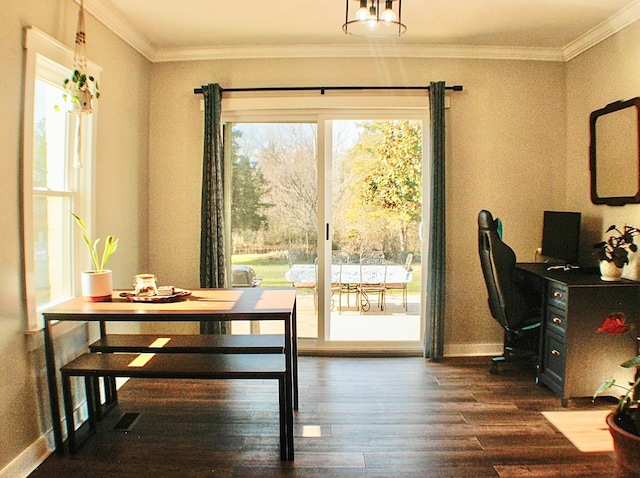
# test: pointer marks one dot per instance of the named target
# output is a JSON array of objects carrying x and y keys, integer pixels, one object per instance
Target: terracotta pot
[
  {"x": 97, "y": 286},
  {"x": 626, "y": 446},
  {"x": 610, "y": 272}
]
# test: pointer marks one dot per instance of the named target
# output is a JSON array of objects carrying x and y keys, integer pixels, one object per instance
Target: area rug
[{"x": 587, "y": 430}]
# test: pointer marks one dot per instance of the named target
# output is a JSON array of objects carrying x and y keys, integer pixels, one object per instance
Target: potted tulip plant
[
  {"x": 624, "y": 422},
  {"x": 614, "y": 252},
  {"x": 97, "y": 283}
]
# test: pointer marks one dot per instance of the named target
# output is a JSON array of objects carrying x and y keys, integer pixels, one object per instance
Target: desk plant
[
  {"x": 97, "y": 283},
  {"x": 616, "y": 248},
  {"x": 624, "y": 422}
]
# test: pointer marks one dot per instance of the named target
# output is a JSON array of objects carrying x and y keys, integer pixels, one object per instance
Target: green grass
[{"x": 271, "y": 270}]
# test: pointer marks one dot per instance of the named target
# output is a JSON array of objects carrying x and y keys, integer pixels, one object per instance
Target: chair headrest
[{"x": 486, "y": 221}]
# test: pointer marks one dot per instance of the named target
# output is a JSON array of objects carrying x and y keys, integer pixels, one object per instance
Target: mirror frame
[{"x": 593, "y": 160}]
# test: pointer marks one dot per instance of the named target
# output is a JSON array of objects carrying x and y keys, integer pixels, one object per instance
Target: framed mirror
[{"x": 614, "y": 153}]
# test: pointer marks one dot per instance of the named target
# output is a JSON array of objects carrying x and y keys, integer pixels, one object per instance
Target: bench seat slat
[
  {"x": 201, "y": 343},
  {"x": 167, "y": 365}
]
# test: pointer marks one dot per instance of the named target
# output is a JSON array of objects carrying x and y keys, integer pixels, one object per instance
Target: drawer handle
[
  {"x": 557, "y": 320},
  {"x": 558, "y": 295},
  {"x": 555, "y": 352}
]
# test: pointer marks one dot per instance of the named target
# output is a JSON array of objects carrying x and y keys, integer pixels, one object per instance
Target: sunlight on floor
[{"x": 587, "y": 430}]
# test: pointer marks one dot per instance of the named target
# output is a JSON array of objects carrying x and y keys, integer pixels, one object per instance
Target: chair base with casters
[{"x": 520, "y": 346}]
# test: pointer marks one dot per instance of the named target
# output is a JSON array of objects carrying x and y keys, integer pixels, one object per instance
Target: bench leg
[
  {"x": 286, "y": 418},
  {"x": 68, "y": 411},
  {"x": 283, "y": 420},
  {"x": 91, "y": 390},
  {"x": 110, "y": 395}
]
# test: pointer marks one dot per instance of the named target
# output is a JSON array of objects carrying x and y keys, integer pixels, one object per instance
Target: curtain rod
[{"x": 322, "y": 89}]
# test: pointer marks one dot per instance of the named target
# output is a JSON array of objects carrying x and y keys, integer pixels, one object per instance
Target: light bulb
[
  {"x": 388, "y": 16},
  {"x": 362, "y": 14},
  {"x": 373, "y": 18}
]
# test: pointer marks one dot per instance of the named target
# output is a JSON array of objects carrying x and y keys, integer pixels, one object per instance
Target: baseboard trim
[
  {"x": 25, "y": 463},
  {"x": 473, "y": 350}
]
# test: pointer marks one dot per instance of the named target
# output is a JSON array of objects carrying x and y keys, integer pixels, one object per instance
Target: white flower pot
[
  {"x": 97, "y": 286},
  {"x": 610, "y": 272}
]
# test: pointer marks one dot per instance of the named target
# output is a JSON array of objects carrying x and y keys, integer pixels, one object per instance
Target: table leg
[
  {"x": 288, "y": 350},
  {"x": 294, "y": 354},
  {"x": 53, "y": 387},
  {"x": 284, "y": 442}
]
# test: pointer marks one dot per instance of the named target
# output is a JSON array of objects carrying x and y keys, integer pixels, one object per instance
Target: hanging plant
[{"x": 80, "y": 89}]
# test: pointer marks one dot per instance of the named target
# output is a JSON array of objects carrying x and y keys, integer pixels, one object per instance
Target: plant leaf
[
  {"x": 634, "y": 362},
  {"x": 606, "y": 385}
]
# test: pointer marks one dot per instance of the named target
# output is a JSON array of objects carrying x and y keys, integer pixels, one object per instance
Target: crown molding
[
  {"x": 358, "y": 51},
  {"x": 116, "y": 23},
  {"x": 604, "y": 30}
]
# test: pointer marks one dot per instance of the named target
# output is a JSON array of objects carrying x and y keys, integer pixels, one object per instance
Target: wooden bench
[
  {"x": 202, "y": 343},
  {"x": 92, "y": 366},
  {"x": 184, "y": 343}
]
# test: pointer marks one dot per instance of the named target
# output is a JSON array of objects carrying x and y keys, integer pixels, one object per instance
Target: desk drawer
[
  {"x": 557, "y": 295},
  {"x": 554, "y": 362},
  {"x": 556, "y": 320}
]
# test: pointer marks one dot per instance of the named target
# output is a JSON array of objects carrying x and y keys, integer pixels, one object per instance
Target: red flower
[{"x": 614, "y": 324}]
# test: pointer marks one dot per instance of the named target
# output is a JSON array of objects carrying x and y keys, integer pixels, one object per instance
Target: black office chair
[{"x": 517, "y": 312}]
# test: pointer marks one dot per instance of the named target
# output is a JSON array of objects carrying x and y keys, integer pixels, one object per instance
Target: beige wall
[
  {"x": 121, "y": 193},
  {"x": 606, "y": 73},
  {"x": 506, "y": 153}
]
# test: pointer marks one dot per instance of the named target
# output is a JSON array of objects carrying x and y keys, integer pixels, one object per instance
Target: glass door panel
[
  {"x": 376, "y": 191},
  {"x": 274, "y": 210}
]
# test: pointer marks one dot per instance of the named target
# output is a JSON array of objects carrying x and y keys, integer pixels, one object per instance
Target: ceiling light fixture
[{"x": 369, "y": 21}]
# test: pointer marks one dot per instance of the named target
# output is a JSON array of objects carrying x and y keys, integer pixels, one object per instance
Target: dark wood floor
[{"x": 358, "y": 417}]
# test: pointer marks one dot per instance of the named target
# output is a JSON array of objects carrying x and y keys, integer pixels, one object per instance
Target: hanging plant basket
[
  {"x": 79, "y": 102},
  {"x": 81, "y": 87}
]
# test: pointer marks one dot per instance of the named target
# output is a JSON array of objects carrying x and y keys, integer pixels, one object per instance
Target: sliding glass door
[
  {"x": 376, "y": 212},
  {"x": 274, "y": 211},
  {"x": 308, "y": 201}
]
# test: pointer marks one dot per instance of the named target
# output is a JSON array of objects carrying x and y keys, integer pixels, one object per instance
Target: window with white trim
[{"x": 57, "y": 149}]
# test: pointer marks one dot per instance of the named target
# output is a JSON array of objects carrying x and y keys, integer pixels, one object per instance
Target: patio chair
[
  {"x": 339, "y": 258},
  {"x": 373, "y": 275},
  {"x": 371, "y": 254},
  {"x": 402, "y": 286}
]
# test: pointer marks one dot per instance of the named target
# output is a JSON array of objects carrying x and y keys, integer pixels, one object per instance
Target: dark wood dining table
[{"x": 242, "y": 304}]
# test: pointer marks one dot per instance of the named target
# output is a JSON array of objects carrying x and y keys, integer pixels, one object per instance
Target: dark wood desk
[
  {"x": 574, "y": 358},
  {"x": 204, "y": 304}
]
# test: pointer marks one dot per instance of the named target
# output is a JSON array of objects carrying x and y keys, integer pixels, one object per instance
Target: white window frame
[{"x": 43, "y": 53}]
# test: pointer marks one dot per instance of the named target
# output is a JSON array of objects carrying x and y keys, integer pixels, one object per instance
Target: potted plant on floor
[
  {"x": 97, "y": 283},
  {"x": 624, "y": 422},
  {"x": 614, "y": 252}
]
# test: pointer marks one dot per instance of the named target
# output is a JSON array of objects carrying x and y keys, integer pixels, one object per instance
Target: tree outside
[{"x": 377, "y": 188}]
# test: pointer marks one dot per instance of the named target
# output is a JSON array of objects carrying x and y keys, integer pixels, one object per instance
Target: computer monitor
[{"x": 561, "y": 236}]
